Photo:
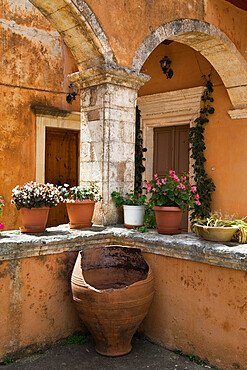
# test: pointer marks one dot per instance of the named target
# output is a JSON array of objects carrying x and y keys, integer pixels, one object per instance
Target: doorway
[
  {"x": 171, "y": 152},
  {"x": 61, "y": 166}
]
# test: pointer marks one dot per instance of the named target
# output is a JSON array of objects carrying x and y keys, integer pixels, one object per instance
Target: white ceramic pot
[{"x": 133, "y": 216}]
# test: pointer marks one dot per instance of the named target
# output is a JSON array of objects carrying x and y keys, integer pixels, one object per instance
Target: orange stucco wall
[
  {"x": 128, "y": 23},
  {"x": 33, "y": 55},
  {"x": 36, "y": 302},
  {"x": 225, "y": 138},
  {"x": 199, "y": 309}
]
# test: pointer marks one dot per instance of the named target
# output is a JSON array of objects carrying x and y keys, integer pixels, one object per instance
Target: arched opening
[
  {"x": 80, "y": 30},
  {"x": 213, "y": 44},
  {"x": 169, "y": 108}
]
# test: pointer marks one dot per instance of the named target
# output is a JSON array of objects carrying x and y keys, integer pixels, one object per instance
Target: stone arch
[
  {"x": 213, "y": 44},
  {"x": 80, "y": 30}
]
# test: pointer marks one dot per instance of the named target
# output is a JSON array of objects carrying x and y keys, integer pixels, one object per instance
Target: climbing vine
[
  {"x": 205, "y": 185},
  {"x": 139, "y": 150}
]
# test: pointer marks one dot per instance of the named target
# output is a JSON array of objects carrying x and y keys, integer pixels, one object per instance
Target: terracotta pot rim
[
  {"x": 165, "y": 208},
  {"x": 216, "y": 227},
  {"x": 76, "y": 201},
  {"x": 29, "y": 209},
  {"x": 77, "y": 281}
]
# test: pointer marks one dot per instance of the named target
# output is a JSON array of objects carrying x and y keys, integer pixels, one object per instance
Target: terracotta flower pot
[
  {"x": 34, "y": 220},
  {"x": 112, "y": 288},
  {"x": 80, "y": 213},
  {"x": 168, "y": 219}
]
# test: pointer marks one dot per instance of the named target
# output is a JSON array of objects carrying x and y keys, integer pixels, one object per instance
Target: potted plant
[
  {"x": 80, "y": 202},
  {"x": 218, "y": 229},
  {"x": 170, "y": 196},
  {"x": 34, "y": 201},
  {"x": 133, "y": 206}
]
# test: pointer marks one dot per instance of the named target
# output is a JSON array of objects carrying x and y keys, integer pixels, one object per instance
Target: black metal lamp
[
  {"x": 73, "y": 91},
  {"x": 165, "y": 64}
]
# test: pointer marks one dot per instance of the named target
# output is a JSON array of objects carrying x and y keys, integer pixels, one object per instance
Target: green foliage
[
  {"x": 141, "y": 229},
  {"x": 131, "y": 199},
  {"x": 149, "y": 217},
  {"x": 8, "y": 361},
  {"x": 198, "y": 360},
  {"x": 139, "y": 150},
  {"x": 75, "y": 339},
  {"x": 204, "y": 184}
]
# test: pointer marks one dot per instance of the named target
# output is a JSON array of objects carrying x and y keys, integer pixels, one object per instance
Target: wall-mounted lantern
[
  {"x": 73, "y": 91},
  {"x": 165, "y": 64}
]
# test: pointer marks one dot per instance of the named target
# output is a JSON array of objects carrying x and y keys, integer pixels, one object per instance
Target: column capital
[{"x": 108, "y": 74}]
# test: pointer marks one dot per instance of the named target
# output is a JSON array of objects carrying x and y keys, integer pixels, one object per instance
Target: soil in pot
[{"x": 112, "y": 288}]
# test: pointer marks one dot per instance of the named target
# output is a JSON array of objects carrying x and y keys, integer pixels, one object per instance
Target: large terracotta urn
[{"x": 112, "y": 288}]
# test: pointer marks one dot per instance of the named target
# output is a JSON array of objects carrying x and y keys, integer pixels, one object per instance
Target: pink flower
[
  {"x": 171, "y": 173},
  {"x": 198, "y": 202},
  {"x": 176, "y": 178},
  {"x": 163, "y": 181},
  {"x": 190, "y": 184},
  {"x": 1, "y": 226},
  {"x": 164, "y": 193},
  {"x": 154, "y": 189},
  {"x": 193, "y": 189},
  {"x": 183, "y": 178},
  {"x": 197, "y": 197},
  {"x": 156, "y": 176},
  {"x": 158, "y": 183}
]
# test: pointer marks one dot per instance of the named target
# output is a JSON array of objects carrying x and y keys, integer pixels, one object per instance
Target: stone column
[{"x": 108, "y": 100}]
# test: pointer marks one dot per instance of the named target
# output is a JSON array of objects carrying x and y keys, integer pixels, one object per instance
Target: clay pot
[
  {"x": 168, "y": 219},
  {"x": 34, "y": 220},
  {"x": 216, "y": 234},
  {"x": 133, "y": 216},
  {"x": 112, "y": 288},
  {"x": 80, "y": 213}
]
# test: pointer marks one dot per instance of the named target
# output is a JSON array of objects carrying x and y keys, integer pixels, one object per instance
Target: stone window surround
[
  {"x": 51, "y": 117},
  {"x": 14, "y": 246},
  {"x": 173, "y": 108}
]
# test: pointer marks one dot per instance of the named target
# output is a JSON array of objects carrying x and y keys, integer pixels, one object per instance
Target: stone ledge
[{"x": 14, "y": 245}]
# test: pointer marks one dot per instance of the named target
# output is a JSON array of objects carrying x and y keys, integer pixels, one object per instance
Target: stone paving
[{"x": 144, "y": 355}]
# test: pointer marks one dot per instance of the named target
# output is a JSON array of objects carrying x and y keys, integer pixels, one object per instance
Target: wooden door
[
  {"x": 171, "y": 152},
  {"x": 61, "y": 166}
]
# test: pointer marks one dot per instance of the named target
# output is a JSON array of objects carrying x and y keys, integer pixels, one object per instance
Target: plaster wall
[
  {"x": 36, "y": 302},
  {"x": 199, "y": 309},
  {"x": 128, "y": 23},
  {"x": 225, "y": 138},
  {"x": 33, "y": 56}
]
